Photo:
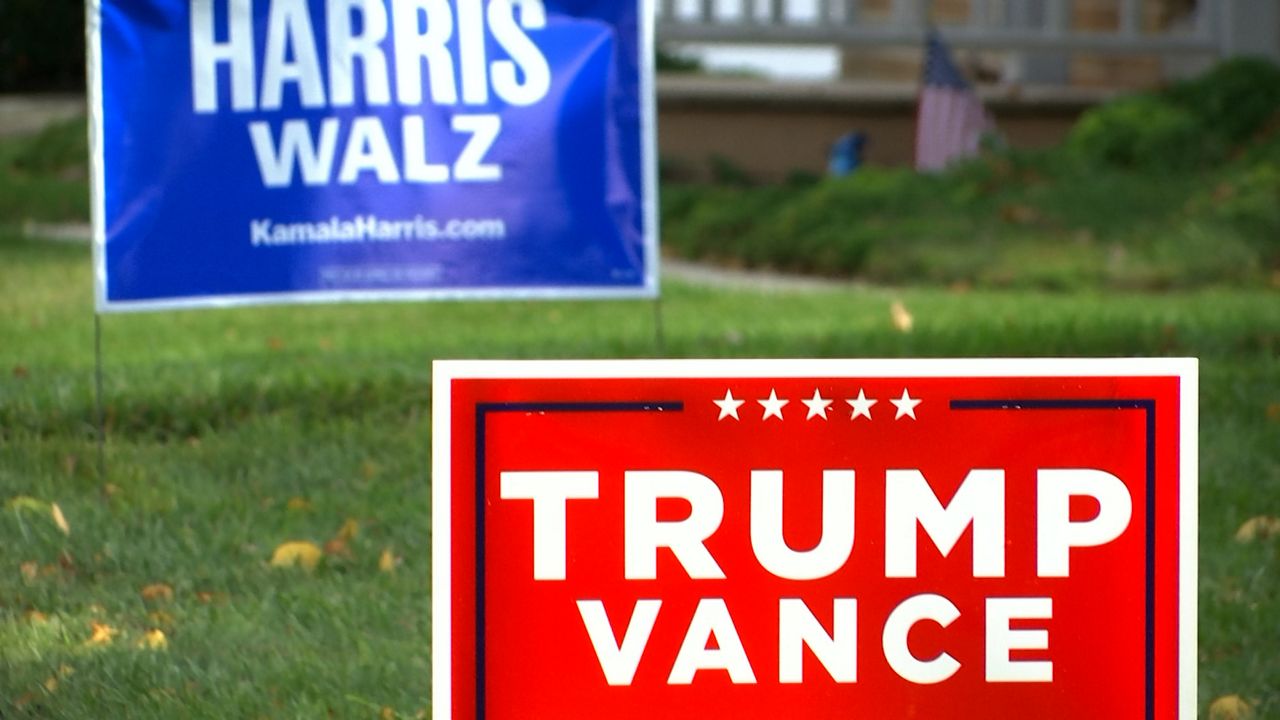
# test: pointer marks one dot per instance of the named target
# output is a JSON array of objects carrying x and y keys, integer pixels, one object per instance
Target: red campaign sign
[{"x": 815, "y": 539}]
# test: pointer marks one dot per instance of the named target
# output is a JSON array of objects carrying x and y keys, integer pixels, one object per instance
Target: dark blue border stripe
[
  {"x": 1067, "y": 404},
  {"x": 482, "y": 411},
  {"x": 1148, "y": 406}
]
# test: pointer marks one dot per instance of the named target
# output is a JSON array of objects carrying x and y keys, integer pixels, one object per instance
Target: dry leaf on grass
[
  {"x": 338, "y": 544},
  {"x": 1230, "y": 707},
  {"x": 35, "y": 617},
  {"x": 30, "y": 570},
  {"x": 387, "y": 562},
  {"x": 26, "y": 502},
  {"x": 1258, "y": 528},
  {"x": 294, "y": 553},
  {"x": 157, "y": 591},
  {"x": 208, "y": 598},
  {"x": 59, "y": 519},
  {"x": 337, "y": 548},
  {"x": 102, "y": 634},
  {"x": 154, "y": 640},
  {"x": 902, "y": 319},
  {"x": 298, "y": 504},
  {"x": 349, "y": 530}
]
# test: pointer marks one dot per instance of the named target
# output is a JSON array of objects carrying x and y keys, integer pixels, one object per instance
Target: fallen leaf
[
  {"x": 1229, "y": 707},
  {"x": 51, "y": 684},
  {"x": 111, "y": 489},
  {"x": 66, "y": 562},
  {"x": 25, "y": 502},
  {"x": 24, "y": 700},
  {"x": 275, "y": 343},
  {"x": 35, "y": 617},
  {"x": 1273, "y": 412},
  {"x": 387, "y": 714},
  {"x": 369, "y": 469},
  {"x": 902, "y": 319},
  {"x": 297, "y": 552},
  {"x": 154, "y": 640},
  {"x": 160, "y": 617},
  {"x": 157, "y": 591},
  {"x": 337, "y": 547},
  {"x": 30, "y": 570},
  {"x": 1258, "y": 528},
  {"x": 102, "y": 634},
  {"x": 298, "y": 503},
  {"x": 66, "y": 671},
  {"x": 207, "y": 597},
  {"x": 387, "y": 562},
  {"x": 20, "y": 372},
  {"x": 59, "y": 519},
  {"x": 348, "y": 531}
]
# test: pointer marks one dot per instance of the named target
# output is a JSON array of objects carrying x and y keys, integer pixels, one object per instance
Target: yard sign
[
  {"x": 252, "y": 151},
  {"x": 815, "y": 539}
]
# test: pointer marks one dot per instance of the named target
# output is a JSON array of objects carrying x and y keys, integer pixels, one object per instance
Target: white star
[
  {"x": 729, "y": 405},
  {"x": 772, "y": 406},
  {"x": 906, "y": 405},
  {"x": 861, "y": 406},
  {"x": 817, "y": 406}
]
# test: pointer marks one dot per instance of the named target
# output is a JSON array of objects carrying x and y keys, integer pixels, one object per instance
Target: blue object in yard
[{"x": 846, "y": 154}]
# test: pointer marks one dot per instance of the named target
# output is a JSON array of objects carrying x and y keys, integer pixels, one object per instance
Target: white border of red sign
[{"x": 1185, "y": 369}]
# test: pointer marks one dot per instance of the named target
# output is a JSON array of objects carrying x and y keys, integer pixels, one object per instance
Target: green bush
[
  {"x": 1142, "y": 132},
  {"x": 1234, "y": 100},
  {"x": 1192, "y": 124}
]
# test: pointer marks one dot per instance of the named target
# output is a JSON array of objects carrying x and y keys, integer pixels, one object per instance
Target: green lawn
[{"x": 234, "y": 431}]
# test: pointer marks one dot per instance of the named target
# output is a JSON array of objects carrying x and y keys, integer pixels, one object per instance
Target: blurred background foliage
[{"x": 1171, "y": 189}]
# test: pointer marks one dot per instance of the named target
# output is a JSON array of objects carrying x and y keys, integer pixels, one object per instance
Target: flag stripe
[{"x": 950, "y": 120}]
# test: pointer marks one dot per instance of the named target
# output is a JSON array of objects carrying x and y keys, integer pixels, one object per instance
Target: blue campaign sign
[{"x": 255, "y": 151}]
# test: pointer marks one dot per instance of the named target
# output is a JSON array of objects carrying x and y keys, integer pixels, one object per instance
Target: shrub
[
  {"x": 1141, "y": 132},
  {"x": 1233, "y": 100},
  {"x": 1189, "y": 125}
]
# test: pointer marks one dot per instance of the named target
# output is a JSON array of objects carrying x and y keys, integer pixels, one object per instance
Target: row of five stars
[{"x": 818, "y": 405}]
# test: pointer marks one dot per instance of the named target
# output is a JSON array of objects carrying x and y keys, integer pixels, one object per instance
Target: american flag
[{"x": 951, "y": 120}]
